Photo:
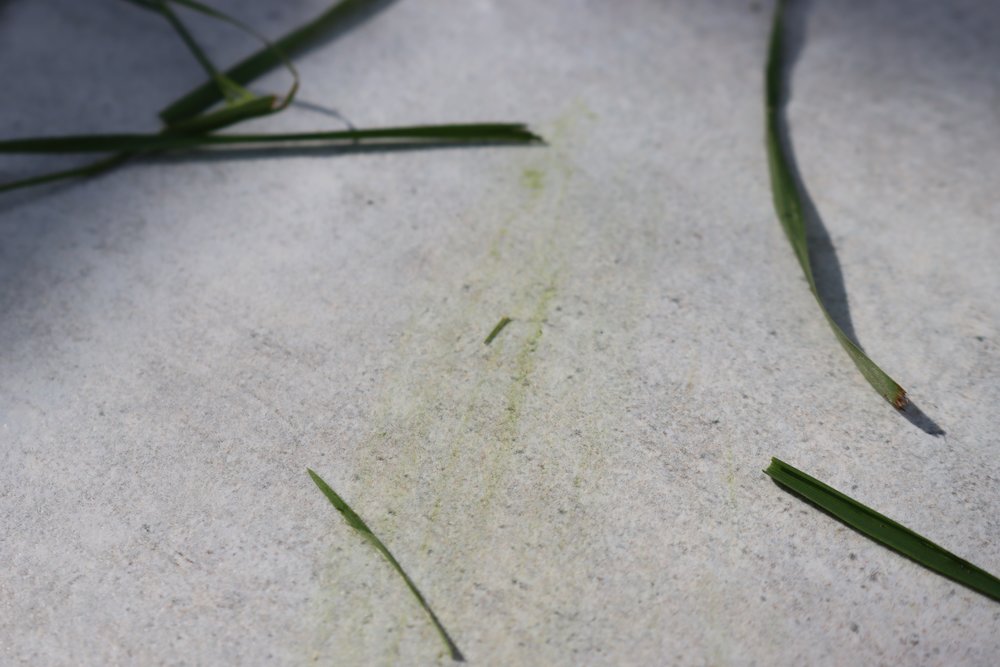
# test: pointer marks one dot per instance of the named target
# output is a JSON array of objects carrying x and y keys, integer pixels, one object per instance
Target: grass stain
[{"x": 533, "y": 180}]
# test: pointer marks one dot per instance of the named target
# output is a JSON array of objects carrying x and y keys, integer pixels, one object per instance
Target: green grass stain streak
[{"x": 533, "y": 180}]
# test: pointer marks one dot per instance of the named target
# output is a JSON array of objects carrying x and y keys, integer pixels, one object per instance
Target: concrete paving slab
[{"x": 181, "y": 338}]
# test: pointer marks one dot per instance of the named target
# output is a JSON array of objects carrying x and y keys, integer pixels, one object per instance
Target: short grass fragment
[
  {"x": 884, "y": 530},
  {"x": 789, "y": 206},
  {"x": 504, "y": 321},
  {"x": 355, "y": 522}
]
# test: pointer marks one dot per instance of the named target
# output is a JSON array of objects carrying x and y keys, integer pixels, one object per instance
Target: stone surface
[{"x": 181, "y": 338}]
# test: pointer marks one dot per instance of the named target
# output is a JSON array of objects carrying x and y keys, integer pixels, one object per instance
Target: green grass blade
[
  {"x": 230, "y": 90},
  {"x": 276, "y": 52},
  {"x": 241, "y": 103},
  {"x": 226, "y": 116},
  {"x": 92, "y": 169},
  {"x": 187, "y": 128},
  {"x": 504, "y": 321},
  {"x": 102, "y": 143},
  {"x": 355, "y": 522},
  {"x": 266, "y": 59},
  {"x": 884, "y": 530},
  {"x": 789, "y": 207}
]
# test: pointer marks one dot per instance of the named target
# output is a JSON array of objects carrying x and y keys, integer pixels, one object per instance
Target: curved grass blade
[
  {"x": 266, "y": 59},
  {"x": 227, "y": 115},
  {"x": 231, "y": 91},
  {"x": 273, "y": 49},
  {"x": 190, "y": 123},
  {"x": 355, "y": 522},
  {"x": 884, "y": 530},
  {"x": 230, "y": 115},
  {"x": 101, "y": 143},
  {"x": 241, "y": 104},
  {"x": 789, "y": 207}
]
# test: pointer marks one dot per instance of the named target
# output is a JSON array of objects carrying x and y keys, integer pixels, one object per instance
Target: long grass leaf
[
  {"x": 241, "y": 103},
  {"x": 275, "y": 50},
  {"x": 101, "y": 143},
  {"x": 884, "y": 530},
  {"x": 216, "y": 120},
  {"x": 231, "y": 91},
  {"x": 92, "y": 169},
  {"x": 788, "y": 205},
  {"x": 266, "y": 59},
  {"x": 355, "y": 522},
  {"x": 187, "y": 123}
]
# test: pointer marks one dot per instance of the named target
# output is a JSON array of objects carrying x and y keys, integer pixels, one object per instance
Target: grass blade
[
  {"x": 266, "y": 59},
  {"x": 186, "y": 126},
  {"x": 278, "y": 55},
  {"x": 92, "y": 169},
  {"x": 504, "y": 321},
  {"x": 788, "y": 205},
  {"x": 884, "y": 530},
  {"x": 355, "y": 522},
  {"x": 241, "y": 104},
  {"x": 230, "y": 90},
  {"x": 102, "y": 143}
]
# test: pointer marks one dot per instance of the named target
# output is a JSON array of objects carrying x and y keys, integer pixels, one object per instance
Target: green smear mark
[
  {"x": 520, "y": 384},
  {"x": 533, "y": 180},
  {"x": 525, "y": 364},
  {"x": 789, "y": 206},
  {"x": 440, "y": 434},
  {"x": 884, "y": 530},
  {"x": 355, "y": 522}
]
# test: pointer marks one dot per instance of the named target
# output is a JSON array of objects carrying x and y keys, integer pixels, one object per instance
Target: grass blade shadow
[{"x": 800, "y": 220}]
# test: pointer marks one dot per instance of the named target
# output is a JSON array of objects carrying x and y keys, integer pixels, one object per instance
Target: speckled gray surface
[{"x": 180, "y": 339}]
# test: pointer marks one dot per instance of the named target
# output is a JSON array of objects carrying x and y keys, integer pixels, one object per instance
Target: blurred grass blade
[
  {"x": 241, "y": 104},
  {"x": 355, "y": 522},
  {"x": 128, "y": 145},
  {"x": 230, "y": 90},
  {"x": 219, "y": 119},
  {"x": 187, "y": 127},
  {"x": 92, "y": 169},
  {"x": 226, "y": 116},
  {"x": 504, "y": 321},
  {"x": 789, "y": 206},
  {"x": 266, "y": 59},
  {"x": 101, "y": 143},
  {"x": 275, "y": 51},
  {"x": 884, "y": 530}
]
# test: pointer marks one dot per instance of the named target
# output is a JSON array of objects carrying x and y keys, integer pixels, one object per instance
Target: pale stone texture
[{"x": 180, "y": 339}]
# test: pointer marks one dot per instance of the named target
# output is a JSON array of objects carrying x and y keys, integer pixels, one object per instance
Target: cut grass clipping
[
  {"x": 437, "y": 134},
  {"x": 788, "y": 204},
  {"x": 190, "y": 119},
  {"x": 357, "y": 524},
  {"x": 504, "y": 321},
  {"x": 884, "y": 530}
]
